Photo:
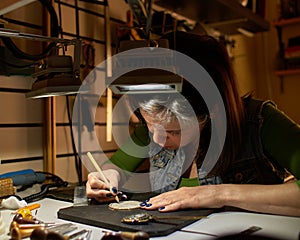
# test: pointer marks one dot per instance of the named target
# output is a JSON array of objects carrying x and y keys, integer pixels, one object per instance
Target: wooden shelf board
[
  {"x": 287, "y": 72},
  {"x": 226, "y": 16},
  {"x": 285, "y": 22}
]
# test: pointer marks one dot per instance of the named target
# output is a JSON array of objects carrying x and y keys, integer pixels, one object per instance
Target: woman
[{"x": 257, "y": 168}]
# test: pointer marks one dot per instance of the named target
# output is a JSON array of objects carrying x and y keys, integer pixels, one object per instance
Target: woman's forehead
[
  {"x": 170, "y": 124},
  {"x": 154, "y": 117}
]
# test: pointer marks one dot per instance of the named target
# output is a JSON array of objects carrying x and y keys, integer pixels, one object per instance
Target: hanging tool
[
  {"x": 139, "y": 11},
  {"x": 142, "y": 11}
]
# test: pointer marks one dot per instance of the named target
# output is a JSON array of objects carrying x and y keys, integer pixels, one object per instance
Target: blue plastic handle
[
  {"x": 10, "y": 174},
  {"x": 28, "y": 179}
]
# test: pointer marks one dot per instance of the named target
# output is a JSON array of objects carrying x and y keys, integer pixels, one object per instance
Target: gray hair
[{"x": 167, "y": 107}]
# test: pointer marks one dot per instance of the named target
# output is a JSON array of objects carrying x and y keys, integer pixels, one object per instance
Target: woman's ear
[{"x": 203, "y": 121}]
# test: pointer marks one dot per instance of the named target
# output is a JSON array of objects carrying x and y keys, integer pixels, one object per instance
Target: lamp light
[
  {"x": 147, "y": 81},
  {"x": 245, "y": 32}
]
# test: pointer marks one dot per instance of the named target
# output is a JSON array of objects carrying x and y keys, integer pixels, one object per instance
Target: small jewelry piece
[
  {"x": 125, "y": 205},
  {"x": 142, "y": 218},
  {"x": 137, "y": 218}
]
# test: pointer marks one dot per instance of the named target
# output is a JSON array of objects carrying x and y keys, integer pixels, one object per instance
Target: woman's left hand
[
  {"x": 186, "y": 197},
  {"x": 280, "y": 199}
]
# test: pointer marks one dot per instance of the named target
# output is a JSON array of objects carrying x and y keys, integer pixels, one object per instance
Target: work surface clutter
[{"x": 39, "y": 220}]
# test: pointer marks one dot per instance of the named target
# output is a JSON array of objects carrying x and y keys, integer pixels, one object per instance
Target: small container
[{"x": 80, "y": 198}]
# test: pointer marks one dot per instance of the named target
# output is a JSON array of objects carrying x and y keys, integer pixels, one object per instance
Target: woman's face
[{"x": 170, "y": 135}]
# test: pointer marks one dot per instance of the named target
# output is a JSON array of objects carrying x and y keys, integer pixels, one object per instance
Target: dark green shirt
[
  {"x": 279, "y": 134},
  {"x": 281, "y": 139}
]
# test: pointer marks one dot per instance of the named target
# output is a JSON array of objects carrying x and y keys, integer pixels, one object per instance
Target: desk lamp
[
  {"x": 57, "y": 74},
  {"x": 150, "y": 77}
]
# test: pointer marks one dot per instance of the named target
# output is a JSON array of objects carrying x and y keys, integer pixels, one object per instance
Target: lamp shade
[
  {"x": 55, "y": 78},
  {"x": 58, "y": 75},
  {"x": 146, "y": 68},
  {"x": 147, "y": 81}
]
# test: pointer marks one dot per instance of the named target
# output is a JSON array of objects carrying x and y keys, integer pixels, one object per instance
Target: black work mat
[{"x": 102, "y": 216}]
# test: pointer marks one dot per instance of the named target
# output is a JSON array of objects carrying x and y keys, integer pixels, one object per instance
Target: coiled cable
[{"x": 54, "y": 33}]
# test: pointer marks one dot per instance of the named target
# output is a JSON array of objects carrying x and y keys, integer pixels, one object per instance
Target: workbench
[{"x": 216, "y": 224}]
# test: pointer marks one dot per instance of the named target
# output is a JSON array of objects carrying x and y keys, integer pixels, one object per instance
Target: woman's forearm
[{"x": 283, "y": 199}]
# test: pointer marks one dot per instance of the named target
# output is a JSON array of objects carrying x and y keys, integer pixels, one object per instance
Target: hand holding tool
[{"x": 102, "y": 175}]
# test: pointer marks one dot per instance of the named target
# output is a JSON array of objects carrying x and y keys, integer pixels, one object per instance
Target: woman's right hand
[{"x": 97, "y": 189}]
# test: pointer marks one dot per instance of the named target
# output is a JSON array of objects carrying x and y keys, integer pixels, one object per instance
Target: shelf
[
  {"x": 287, "y": 72},
  {"x": 285, "y": 22},
  {"x": 223, "y": 15}
]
